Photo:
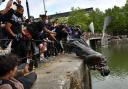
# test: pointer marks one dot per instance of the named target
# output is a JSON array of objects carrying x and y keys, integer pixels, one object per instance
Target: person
[
  {"x": 40, "y": 31},
  {"x": 12, "y": 31},
  {"x": 13, "y": 24},
  {"x": 2, "y": 12},
  {"x": 77, "y": 32},
  {"x": 13, "y": 28},
  {"x": 61, "y": 31},
  {"x": 13, "y": 78},
  {"x": 1, "y": 1},
  {"x": 8, "y": 6},
  {"x": 45, "y": 26},
  {"x": 6, "y": 9}
]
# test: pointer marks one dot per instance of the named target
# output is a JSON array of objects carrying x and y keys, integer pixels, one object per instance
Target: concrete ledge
[{"x": 64, "y": 72}]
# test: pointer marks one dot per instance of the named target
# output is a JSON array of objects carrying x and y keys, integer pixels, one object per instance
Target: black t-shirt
[
  {"x": 10, "y": 17},
  {"x": 37, "y": 31},
  {"x": 59, "y": 33},
  {"x": 15, "y": 21},
  {"x": 5, "y": 17},
  {"x": 35, "y": 28}
]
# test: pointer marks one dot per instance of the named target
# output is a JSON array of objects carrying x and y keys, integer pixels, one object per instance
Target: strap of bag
[{"x": 2, "y": 82}]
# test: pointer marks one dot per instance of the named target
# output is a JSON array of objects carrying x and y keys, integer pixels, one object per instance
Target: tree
[
  {"x": 118, "y": 23},
  {"x": 63, "y": 20},
  {"x": 97, "y": 17},
  {"x": 79, "y": 17}
]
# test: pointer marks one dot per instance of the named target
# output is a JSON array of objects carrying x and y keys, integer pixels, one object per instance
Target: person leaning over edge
[{"x": 10, "y": 78}]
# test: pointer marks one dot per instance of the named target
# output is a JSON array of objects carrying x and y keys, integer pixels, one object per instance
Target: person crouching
[{"x": 11, "y": 77}]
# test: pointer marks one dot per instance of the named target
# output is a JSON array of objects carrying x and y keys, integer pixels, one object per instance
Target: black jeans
[{"x": 4, "y": 36}]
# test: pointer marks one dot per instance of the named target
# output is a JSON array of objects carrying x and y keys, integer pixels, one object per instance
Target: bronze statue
[{"x": 93, "y": 59}]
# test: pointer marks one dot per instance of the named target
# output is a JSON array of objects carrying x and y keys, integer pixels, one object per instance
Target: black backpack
[{"x": 7, "y": 82}]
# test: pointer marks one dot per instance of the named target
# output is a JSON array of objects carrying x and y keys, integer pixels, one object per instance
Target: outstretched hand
[{"x": 26, "y": 69}]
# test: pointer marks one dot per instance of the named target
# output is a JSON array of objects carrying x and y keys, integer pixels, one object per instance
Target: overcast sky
[{"x": 53, "y": 6}]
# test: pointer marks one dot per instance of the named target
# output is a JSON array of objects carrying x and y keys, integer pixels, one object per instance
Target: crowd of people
[{"x": 31, "y": 41}]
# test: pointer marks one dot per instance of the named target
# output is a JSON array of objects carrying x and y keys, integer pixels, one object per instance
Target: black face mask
[
  {"x": 3, "y": 0},
  {"x": 18, "y": 14}
]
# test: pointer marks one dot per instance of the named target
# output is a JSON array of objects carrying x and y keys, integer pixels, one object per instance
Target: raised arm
[
  {"x": 9, "y": 30},
  {"x": 8, "y": 7}
]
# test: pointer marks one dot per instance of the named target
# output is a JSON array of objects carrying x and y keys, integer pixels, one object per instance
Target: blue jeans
[{"x": 28, "y": 80}]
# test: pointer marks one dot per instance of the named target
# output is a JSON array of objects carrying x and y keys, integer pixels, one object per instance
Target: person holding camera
[
  {"x": 13, "y": 25},
  {"x": 13, "y": 78}
]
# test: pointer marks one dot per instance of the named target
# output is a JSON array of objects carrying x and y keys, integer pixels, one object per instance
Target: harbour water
[{"x": 117, "y": 54}]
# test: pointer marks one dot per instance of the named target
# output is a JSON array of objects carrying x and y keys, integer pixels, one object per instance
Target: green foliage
[
  {"x": 79, "y": 17},
  {"x": 63, "y": 20},
  {"x": 98, "y": 18},
  {"x": 118, "y": 25}
]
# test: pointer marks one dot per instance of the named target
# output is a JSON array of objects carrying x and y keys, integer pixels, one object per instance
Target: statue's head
[
  {"x": 94, "y": 60},
  {"x": 98, "y": 62}
]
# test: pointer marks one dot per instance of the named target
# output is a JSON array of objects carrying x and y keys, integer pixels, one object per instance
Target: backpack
[{"x": 2, "y": 82}]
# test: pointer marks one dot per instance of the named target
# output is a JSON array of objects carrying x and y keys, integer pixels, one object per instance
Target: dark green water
[{"x": 117, "y": 54}]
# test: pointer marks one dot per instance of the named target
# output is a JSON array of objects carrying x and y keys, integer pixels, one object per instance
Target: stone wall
[{"x": 65, "y": 71}]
